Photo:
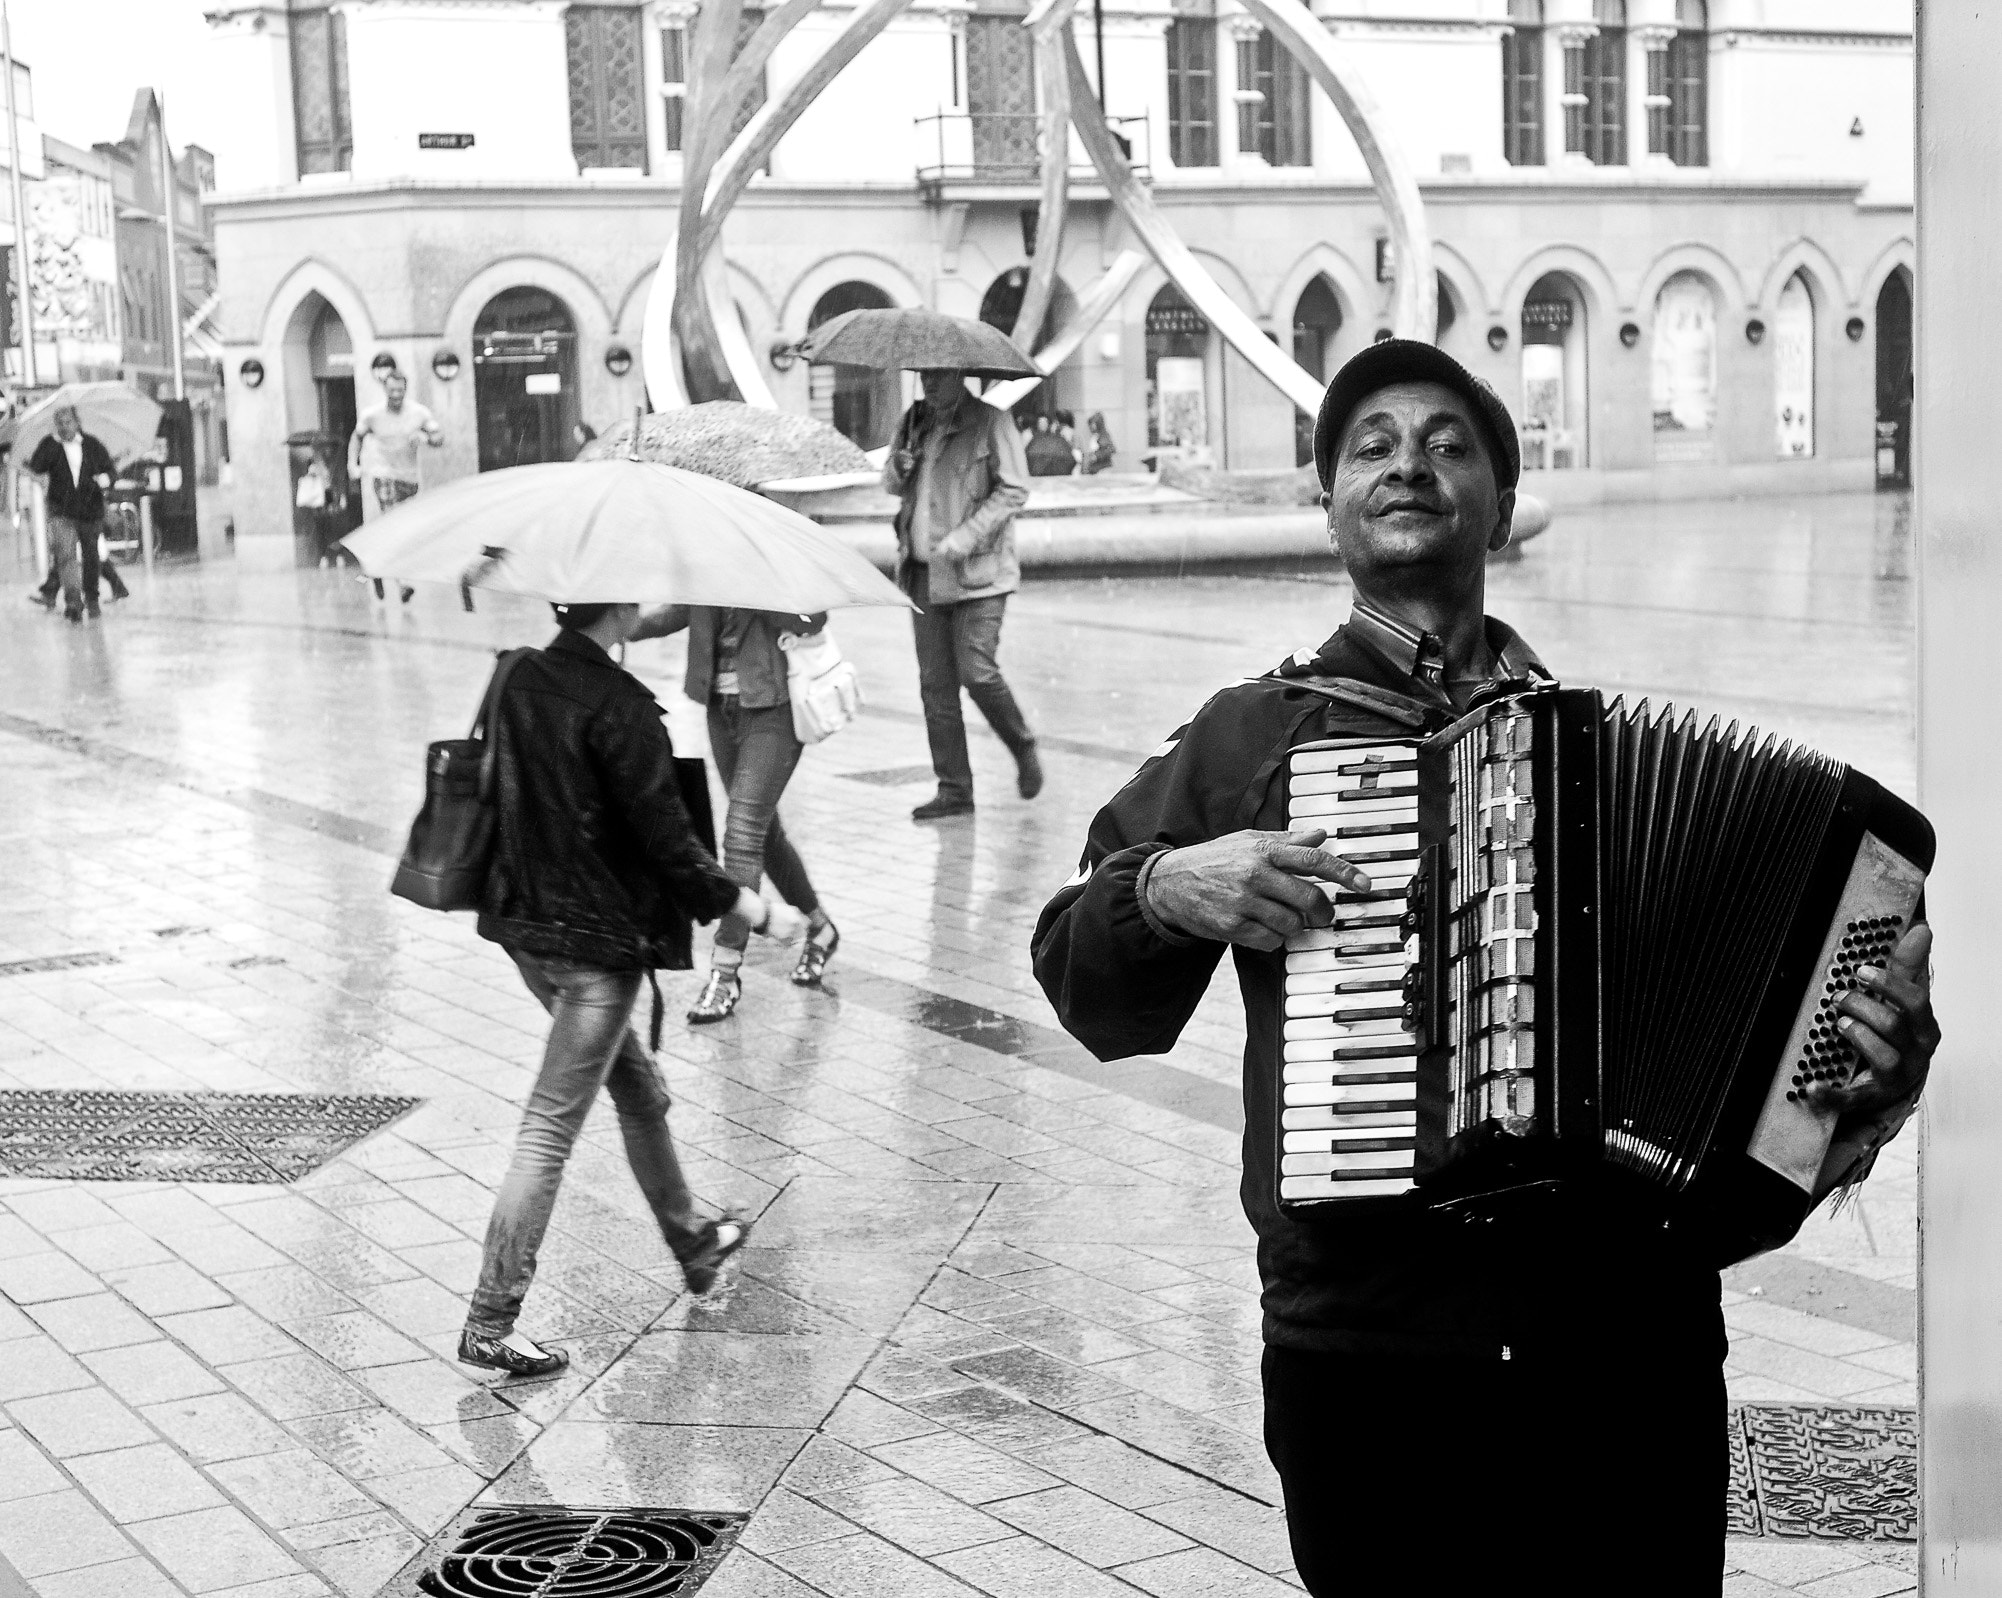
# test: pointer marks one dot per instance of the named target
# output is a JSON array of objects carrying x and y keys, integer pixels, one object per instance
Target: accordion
[{"x": 1594, "y": 938}]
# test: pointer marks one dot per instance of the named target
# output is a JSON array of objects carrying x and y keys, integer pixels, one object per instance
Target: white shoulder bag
[{"x": 825, "y": 692}]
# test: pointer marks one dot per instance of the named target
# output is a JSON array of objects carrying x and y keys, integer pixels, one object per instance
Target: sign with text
[{"x": 444, "y": 141}]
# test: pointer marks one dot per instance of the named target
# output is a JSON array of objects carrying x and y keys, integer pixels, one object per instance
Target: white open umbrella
[
  {"x": 611, "y": 531},
  {"x": 124, "y": 420}
]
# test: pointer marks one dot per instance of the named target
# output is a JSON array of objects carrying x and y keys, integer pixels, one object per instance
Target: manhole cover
[
  {"x": 538, "y": 1551},
  {"x": 183, "y": 1137},
  {"x": 1802, "y": 1470},
  {"x": 891, "y": 776}
]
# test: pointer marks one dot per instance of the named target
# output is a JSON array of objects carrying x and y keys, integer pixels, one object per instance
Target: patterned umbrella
[
  {"x": 916, "y": 341},
  {"x": 742, "y": 444}
]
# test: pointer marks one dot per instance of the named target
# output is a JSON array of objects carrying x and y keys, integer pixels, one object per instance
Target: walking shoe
[
  {"x": 715, "y": 1243},
  {"x": 496, "y": 1355},
  {"x": 814, "y": 957},
  {"x": 718, "y": 999},
  {"x": 939, "y": 806},
  {"x": 408, "y": 592},
  {"x": 93, "y": 612},
  {"x": 37, "y": 597},
  {"x": 1028, "y": 772},
  {"x": 73, "y": 617}
]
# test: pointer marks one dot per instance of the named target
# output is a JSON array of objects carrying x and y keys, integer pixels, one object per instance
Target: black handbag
[{"x": 444, "y": 865}]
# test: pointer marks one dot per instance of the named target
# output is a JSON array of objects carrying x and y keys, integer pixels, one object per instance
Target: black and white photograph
[{"x": 1000, "y": 798}]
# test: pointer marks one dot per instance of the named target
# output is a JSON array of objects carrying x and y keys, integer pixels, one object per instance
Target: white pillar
[
  {"x": 1959, "y": 592},
  {"x": 250, "y": 51}
]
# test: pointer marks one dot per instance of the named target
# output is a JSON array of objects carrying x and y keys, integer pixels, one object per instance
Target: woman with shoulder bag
[
  {"x": 737, "y": 669},
  {"x": 595, "y": 875}
]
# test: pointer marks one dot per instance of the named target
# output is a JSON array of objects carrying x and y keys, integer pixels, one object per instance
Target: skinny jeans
[
  {"x": 756, "y": 751},
  {"x": 957, "y": 647},
  {"x": 91, "y": 567},
  {"x": 590, "y": 1047}
]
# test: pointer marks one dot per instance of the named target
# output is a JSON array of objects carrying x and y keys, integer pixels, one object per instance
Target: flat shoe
[
  {"x": 1028, "y": 773},
  {"x": 813, "y": 960},
  {"x": 700, "y": 1265},
  {"x": 936, "y": 809},
  {"x": 495, "y": 1355}
]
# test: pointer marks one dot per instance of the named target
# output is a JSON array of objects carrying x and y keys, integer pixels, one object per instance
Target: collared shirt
[{"x": 1421, "y": 655}]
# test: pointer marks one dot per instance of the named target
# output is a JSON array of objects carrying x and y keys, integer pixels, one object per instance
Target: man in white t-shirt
[{"x": 384, "y": 448}]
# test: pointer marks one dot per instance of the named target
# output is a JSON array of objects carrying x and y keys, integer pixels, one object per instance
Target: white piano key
[
  {"x": 1299, "y": 1029},
  {"x": 1390, "y": 972},
  {"x": 1379, "y": 805},
  {"x": 1341, "y": 948},
  {"x": 1301, "y": 1188},
  {"x": 1313, "y": 760},
  {"x": 1344, "y": 1005},
  {"x": 1326, "y": 1118},
  {"x": 1351, "y": 1139},
  {"x": 1351, "y": 1092},
  {"x": 1300, "y": 1072},
  {"x": 1361, "y": 1160}
]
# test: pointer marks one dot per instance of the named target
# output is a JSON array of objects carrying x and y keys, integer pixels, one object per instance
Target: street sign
[{"x": 444, "y": 141}]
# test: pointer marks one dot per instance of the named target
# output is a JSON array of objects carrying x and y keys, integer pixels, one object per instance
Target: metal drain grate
[
  {"x": 1803, "y": 1470},
  {"x": 540, "y": 1551},
  {"x": 891, "y": 776},
  {"x": 56, "y": 962},
  {"x": 183, "y": 1137}
]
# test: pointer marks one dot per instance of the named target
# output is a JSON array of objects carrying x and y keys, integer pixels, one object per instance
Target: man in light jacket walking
[{"x": 957, "y": 465}]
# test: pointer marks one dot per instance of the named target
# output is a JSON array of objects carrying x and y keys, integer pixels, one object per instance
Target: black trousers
[
  {"x": 91, "y": 568},
  {"x": 956, "y": 647},
  {"x": 1569, "y": 1478}
]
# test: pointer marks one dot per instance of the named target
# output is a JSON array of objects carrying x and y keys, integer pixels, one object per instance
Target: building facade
[{"x": 1676, "y": 235}]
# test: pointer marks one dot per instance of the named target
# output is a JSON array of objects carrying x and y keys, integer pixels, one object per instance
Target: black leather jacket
[{"x": 595, "y": 861}]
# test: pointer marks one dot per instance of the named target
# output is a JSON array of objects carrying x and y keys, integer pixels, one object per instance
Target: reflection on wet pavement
[{"x": 997, "y": 1329}]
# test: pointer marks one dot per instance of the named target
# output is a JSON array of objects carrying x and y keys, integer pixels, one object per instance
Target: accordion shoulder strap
[{"x": 1413, "y": 713}]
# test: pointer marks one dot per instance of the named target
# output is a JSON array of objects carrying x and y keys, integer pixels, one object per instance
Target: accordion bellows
[{"x": 1594, "y": 937}]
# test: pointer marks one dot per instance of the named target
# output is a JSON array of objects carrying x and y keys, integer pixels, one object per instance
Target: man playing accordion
[{"x": 1454, "y": 1399}]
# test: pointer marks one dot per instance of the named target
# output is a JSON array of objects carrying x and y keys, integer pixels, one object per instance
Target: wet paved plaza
[{"x": 997, "y": 1332}]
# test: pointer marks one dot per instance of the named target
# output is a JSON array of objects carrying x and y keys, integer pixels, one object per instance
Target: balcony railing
[{"x": 961, "y": 147}]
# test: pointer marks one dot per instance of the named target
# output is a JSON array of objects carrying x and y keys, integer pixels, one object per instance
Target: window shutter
[
  {"x": 607, "y": 110},
  {"x": 319, "y": 45}
]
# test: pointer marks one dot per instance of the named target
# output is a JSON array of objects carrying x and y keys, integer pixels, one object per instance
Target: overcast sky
[{"x": 89, "y": 56}]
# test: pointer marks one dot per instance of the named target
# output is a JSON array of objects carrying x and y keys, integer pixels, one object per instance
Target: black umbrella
[{"x": 916, "y": 341}]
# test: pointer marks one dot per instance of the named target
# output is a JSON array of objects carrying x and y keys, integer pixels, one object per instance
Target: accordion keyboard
[{"x": 1348, "y": 1126}]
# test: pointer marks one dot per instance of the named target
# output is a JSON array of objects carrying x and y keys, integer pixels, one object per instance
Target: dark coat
[
  {"x": 595, "y": 861},
  {"x": 1396, "y": 1278},
  {"x": 78, "y": 502}
]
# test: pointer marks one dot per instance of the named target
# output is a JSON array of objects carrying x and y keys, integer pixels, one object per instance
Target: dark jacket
[
  {"x": 1386, "y": 1279},
  {"x": 79, "y": 502},
  {"x": 595, "y": 861}
]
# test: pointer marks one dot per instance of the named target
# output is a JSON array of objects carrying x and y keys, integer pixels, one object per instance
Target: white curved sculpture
[{"x": 1062, "y": 78}]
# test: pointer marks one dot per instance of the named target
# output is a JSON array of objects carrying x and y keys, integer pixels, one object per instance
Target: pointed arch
[
  {"x": 1823, "y": 275},
  {"x": 1581, "y": 266},
  {"x": 311, "y": 277},
  {"x": 586, "y": 304},
  {"x": 1324, "y": 260},
  {"x": 862, "y": 266},
  {"x": 1898, "y": 253}
]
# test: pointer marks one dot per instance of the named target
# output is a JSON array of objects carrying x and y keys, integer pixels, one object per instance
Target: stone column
[
  {"x": 1655, "y": 38},
  {"x": 1572, "y": 37}
]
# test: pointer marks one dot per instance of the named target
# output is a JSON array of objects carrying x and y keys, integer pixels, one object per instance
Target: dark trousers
[
  {"x": 755, "y": 752},
  {"x": 957, "y": 646},
  {"x": 90, "y": 567},
  {"x": 1569, "y": 1478}
]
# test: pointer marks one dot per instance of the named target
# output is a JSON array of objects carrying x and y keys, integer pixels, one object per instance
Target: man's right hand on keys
[{"x": 1246, "y": 887}]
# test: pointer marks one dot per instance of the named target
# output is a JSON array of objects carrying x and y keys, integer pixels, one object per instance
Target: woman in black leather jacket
[{"x": 595, "y": 881}]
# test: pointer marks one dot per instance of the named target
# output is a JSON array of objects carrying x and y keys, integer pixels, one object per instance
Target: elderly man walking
[
  {"x": 957, "y": 465},
  {"x": 384, "y": 449},
  {"x": 75, "y": 469}
]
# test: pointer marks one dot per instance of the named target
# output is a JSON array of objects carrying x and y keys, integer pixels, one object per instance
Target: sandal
[
  {"x": 492, "y": 1353},
  {"x": 715, "y": 1243},
  {"x": 718, "y": 998},
  {"x": 813, "y": 959}
]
